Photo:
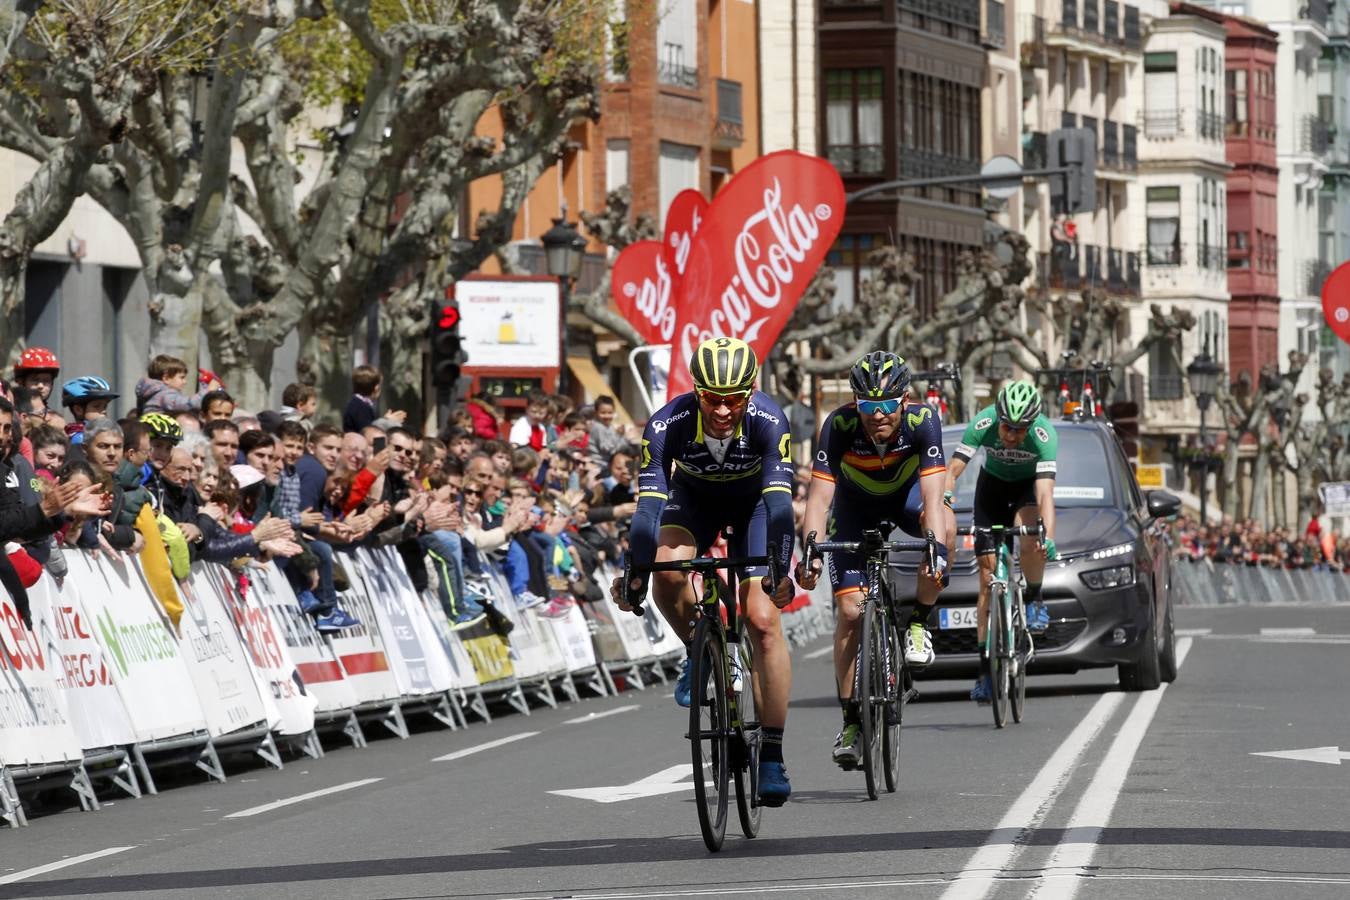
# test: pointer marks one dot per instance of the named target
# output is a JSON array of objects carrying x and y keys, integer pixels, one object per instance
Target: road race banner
[
  {"x": 533, "y": 650},
  {"x": 573, "y": 637},
  {"x": 35, "y": 721},
  {"x": 289, "y": 704},
  {"x": 417, "y": 660},
  {"x": 314, "y": 660},
  {"x": 85, "y": 673},
  {"x": 230, "y": 695},
  {"x": 361, "y": 649},
  {"x": 619, "y": 636},
  {"x": 129, "y": 624},
  {"x": 762, "y": 241}
]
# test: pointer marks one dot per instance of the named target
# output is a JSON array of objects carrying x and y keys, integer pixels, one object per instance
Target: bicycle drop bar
[
  {"x": 815, "y": 548},
  {"x": 704, "y": 565}
]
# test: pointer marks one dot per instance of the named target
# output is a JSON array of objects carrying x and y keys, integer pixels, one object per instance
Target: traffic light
[
  {"x": 1075, "y": 148},
  {"x": 447, "y": 355}
]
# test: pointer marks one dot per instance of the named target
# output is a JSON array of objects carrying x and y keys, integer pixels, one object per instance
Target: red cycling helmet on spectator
[{"x": 34, "y": 360}]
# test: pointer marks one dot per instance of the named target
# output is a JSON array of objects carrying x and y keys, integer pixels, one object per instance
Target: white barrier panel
[
  {"x": 361, "y": 649},
  {"x": 533, "y": 649},
  {"x": 129, "y": 625},
  {"x": 314, "y": 660},
  {"x": 230, "y": 695},
  {"x": 35, "y": 722},
  {"x": 621, "y": 636},
  {"x": 461, "y": 666},
  {"x": 86, "y": 674},
  {"x": 290, "y": 705},
  {"x": 573, "y": 637},
  {"x": 415, "y": 655}
]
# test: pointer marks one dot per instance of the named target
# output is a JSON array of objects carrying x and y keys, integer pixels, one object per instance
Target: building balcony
[
  {"x": 1213, "y": 258},
  {"x": 1092, "y": 270},
  {"x": 857, "y": 159},
  {"x": 1162, "y": 124},
  {"x": 729, "y": 126},
  {"x": 995, "y": 25},
  {"x": 671, "y": 69},
  {"x": 1166, "y": 387},
  {"x": 1133, "y": 272},
  {"x": 1110, "y": 144},
  {"x": 1315, "y": 273},
  {"x": 1129, "y": 147},
  {"x": 1034, "y": 146},
  {"x": 1065, "y": 267},
  {"x": 1163, "y": 256},
  {"x": 1314, "y": 136},
  {"x": 1209, "y": 125},
  {"x": 958, "y": 12},
  {"x": 1115, "y": 270},
  {"x": 1101, "y": 23},
  {"x": 1032, "y": 31},
  {"x": 927, "y": 164}
]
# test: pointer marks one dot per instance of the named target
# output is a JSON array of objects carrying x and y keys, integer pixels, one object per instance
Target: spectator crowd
[
  {"x": 1247, "y": 543},
  {"x": 539, "y": 503}
]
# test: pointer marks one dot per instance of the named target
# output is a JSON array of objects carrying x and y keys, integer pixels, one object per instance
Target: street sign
[
  {"x": 1002, "y": 165},
  {"x": 1335, "y": 497},
  {"x": 1330, "y": 756},
  {"x": 667, "y": 781},
  {"x": 1150, "y": 476}
]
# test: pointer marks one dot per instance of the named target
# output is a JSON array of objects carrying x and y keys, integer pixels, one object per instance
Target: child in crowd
[
  {"x": 532, "y": 429},
  {"x": 299, "y": 402},
  {"x": 164, "y": 387},
  {"x": 87, "y": 398},
  {"x": 361, "y": 410}
]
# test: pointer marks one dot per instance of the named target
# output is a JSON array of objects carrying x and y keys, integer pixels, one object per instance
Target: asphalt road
[{"x": 1098, "y": 794}]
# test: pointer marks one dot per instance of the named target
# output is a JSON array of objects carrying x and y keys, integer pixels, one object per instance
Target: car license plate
[{"x": 960, "y": 617}]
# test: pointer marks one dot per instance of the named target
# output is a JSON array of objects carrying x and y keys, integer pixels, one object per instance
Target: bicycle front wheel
[
  {"x": 870, "y": 695},
  {"x": 748, "y": 735},
  {"x": 708, "y": 729},
  {"x": 891, "y": 710},
  {"x": 998, "y": 653},
  {"x": 1021, "y": 655}
]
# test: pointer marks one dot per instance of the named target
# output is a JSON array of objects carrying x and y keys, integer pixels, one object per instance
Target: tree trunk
[
  {"x": 325, "y": 362},
  {"x": 13, "y": 287},
  {"x": 1277, "y": 484},
  {"x": 1259, "y": 475},
  {"x": 1230, "y": 478}
]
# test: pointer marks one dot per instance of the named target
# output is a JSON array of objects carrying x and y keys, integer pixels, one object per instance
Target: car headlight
[
  {"x": 1108, "y": 552},
  {"x": 1105, "y": 579}
]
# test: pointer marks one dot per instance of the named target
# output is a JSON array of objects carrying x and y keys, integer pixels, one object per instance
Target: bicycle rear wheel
[
  {"x": 892, "y": 709},
  {"x": 708, "y": 734},
  {"x": 747, "y": 756},
  {"x": 1021, "y": 655},
  {"x": 870, "y": 694},
  {"x": 998, "y": 654}
]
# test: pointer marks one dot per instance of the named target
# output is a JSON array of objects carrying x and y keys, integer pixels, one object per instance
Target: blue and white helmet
[{"x": 86, "y": 388}]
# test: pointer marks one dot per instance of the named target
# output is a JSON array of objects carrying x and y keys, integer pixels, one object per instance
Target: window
[
  {"x": 853, "y": 121},
  {"x": 1239, "y": 253},
  {"x": 679, "y": 170},
  {"x": 848, "y": 258},
  {"x": 616, "y": 164},
  {"x": 1164, "y": 375},
  {"x": 1160, "y": 95},
  {"x": 616, "y": 32},
  {"x": 677, "y": 43},
  {"x": 1164, "y": 226},
  {"x": 1236, "y": 107}
]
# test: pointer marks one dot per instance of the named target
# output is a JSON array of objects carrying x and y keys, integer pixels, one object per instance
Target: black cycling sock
[
  {"x": 771, "y": 745},
  {"x": 852, "y": 714},
  {"x": 920, "y": 614},
  {"x": 1033, "y": 592},
  {"x": 984, "y": 665}
]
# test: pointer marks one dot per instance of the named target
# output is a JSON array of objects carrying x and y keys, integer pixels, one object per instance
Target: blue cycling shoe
[
  {"x": 1038, "y": 618},
  {"x": 982, "y": 693},
  {"x": 684, "y": 685},
  {"x": 774, "y": 788}
]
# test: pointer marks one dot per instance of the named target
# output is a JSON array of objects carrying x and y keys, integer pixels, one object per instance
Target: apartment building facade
[{"x": 1333, "y": 105}]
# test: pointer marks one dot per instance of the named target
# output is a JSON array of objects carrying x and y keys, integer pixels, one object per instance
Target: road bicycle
[
  {"x": 1008, "y": 644},
  {"x": 882, "y": 683},
  {"x": 724, "y": 728}
]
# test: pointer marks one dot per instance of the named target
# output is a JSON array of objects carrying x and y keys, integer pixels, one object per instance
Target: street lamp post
[
  {"x": 564, "y": 249},
  {"x": 1203, "y": 374}
]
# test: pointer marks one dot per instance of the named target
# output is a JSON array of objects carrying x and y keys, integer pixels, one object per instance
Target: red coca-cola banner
[
  {"x": 765, "y": 236},
  {"x": 683, "y": 220},
  {"x": 643, "y": 287},
  {"x": 1336, "y": 301}
]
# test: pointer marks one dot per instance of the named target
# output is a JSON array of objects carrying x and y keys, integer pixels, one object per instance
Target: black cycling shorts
[{"x": 996, "y": 503}]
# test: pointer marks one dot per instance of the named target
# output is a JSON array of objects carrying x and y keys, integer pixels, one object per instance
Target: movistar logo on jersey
[
  {"x": 845, "y": 423},
  {"x": 916, "y": 419}
]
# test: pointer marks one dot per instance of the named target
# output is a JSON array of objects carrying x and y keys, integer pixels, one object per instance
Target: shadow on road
[{"x": 599, "y": 851}]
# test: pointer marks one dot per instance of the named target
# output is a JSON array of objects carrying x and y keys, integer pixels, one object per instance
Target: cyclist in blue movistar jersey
[
  {"x": 879, "y": 460},
  {"x": 720, "y": 458}
]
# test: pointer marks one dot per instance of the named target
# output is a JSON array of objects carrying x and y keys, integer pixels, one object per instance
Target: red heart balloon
[
  {"x": 766, "y": 234},
  {"x": 643, "y": 289},
  {"x": 684, "y": 218},
  {"x": 1336, "y": 301}
]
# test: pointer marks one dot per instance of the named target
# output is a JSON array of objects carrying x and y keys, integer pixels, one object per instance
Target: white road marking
[
  {"x": 667, "y": 781},
  {"x": 1073, "y": 856},
  {"x": 1286, "y": 632},
  {"x": 470, "y": 751},
  {"x": 61, "y": 864},
  {"x": 278, "y": 804},
  {"x": 591, "y": 717},
  {"x": 1331, "y": 756},
  {"x": 1194, "y": 632},
  {"x": 978, "y": 876},
  {"x": 817, "y": 654}
]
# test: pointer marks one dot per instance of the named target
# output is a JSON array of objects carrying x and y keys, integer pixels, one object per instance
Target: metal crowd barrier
[{"x": 1207, "y": 583}]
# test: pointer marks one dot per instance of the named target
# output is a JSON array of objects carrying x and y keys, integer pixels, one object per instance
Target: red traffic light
[{"x": 449, "y": 317}]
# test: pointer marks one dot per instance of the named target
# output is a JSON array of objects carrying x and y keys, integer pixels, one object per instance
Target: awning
[{"x": 593, "y": 384}]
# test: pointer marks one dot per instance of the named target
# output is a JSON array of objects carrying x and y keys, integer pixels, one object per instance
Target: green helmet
[
  {"x": 880, "y": 375},
  {"x": 1018, "y": 404},
  {"x": 724, "y": 364}
]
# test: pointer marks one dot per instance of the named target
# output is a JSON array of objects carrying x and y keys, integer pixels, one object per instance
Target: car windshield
[{"x": 1084, "y": 477}]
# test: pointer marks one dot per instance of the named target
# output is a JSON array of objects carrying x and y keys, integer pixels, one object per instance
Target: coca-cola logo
[
  {"x": 683, "y": 219},
  {"x": 644, "y": 292},
  {"x": 765, "y": 236}
]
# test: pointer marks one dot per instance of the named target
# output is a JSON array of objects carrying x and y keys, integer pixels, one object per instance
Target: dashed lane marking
[
  {"x": 591, "y": 717},
  {"x": 289, "y": 801},
  {"x": 470, "y": 751},
  {"x": 62, "y": 864},
  {"x": 816, "y": 654}
]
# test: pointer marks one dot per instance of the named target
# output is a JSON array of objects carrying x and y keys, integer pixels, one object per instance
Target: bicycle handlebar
[
  {"x": 871, "y": 544},
  {"x": 1037, "y": 530},
  {"x": 704, "y": 565}
]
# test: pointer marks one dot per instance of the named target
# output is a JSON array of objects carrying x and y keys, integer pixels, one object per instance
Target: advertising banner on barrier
[
  {"x": 314, "y": 660},
  {"x": 619, "y": 636},
  {"x": 415, "y": 654},
  {"x": 35, "y": 721},
  {"x": 573, "y": 636},
  {"x": 129, "y": 625},
  {"x": 532, "y": 646},
  {"x": 85, "y": 673},
  {"x": 361, "y": 650},
  {"x": 230, "y": 696},
  {"x": 462, "y": 673},
  {"x": 290, "y": 705}
]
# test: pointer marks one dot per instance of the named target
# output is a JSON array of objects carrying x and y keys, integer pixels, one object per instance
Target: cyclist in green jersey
[{"x": 1016, "y": 485}]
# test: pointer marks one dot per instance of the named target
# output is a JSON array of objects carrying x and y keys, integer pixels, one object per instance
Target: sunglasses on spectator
[
  {"x": 402, "y": 451},
  {"x": 885, "y": 407},
  {"x": 472, "y": 492},
  {"x": 733, "y": 401}
]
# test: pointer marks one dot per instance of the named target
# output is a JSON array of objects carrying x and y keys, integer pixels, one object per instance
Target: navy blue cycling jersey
[{"x": 720, "y": 482}]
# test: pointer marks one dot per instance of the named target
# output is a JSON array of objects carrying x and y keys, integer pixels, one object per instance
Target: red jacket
[{"x": 485, "y": 424}]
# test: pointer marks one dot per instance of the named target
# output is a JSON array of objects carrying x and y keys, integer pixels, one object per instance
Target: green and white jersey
[{"x": 1033, "y": 458}]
